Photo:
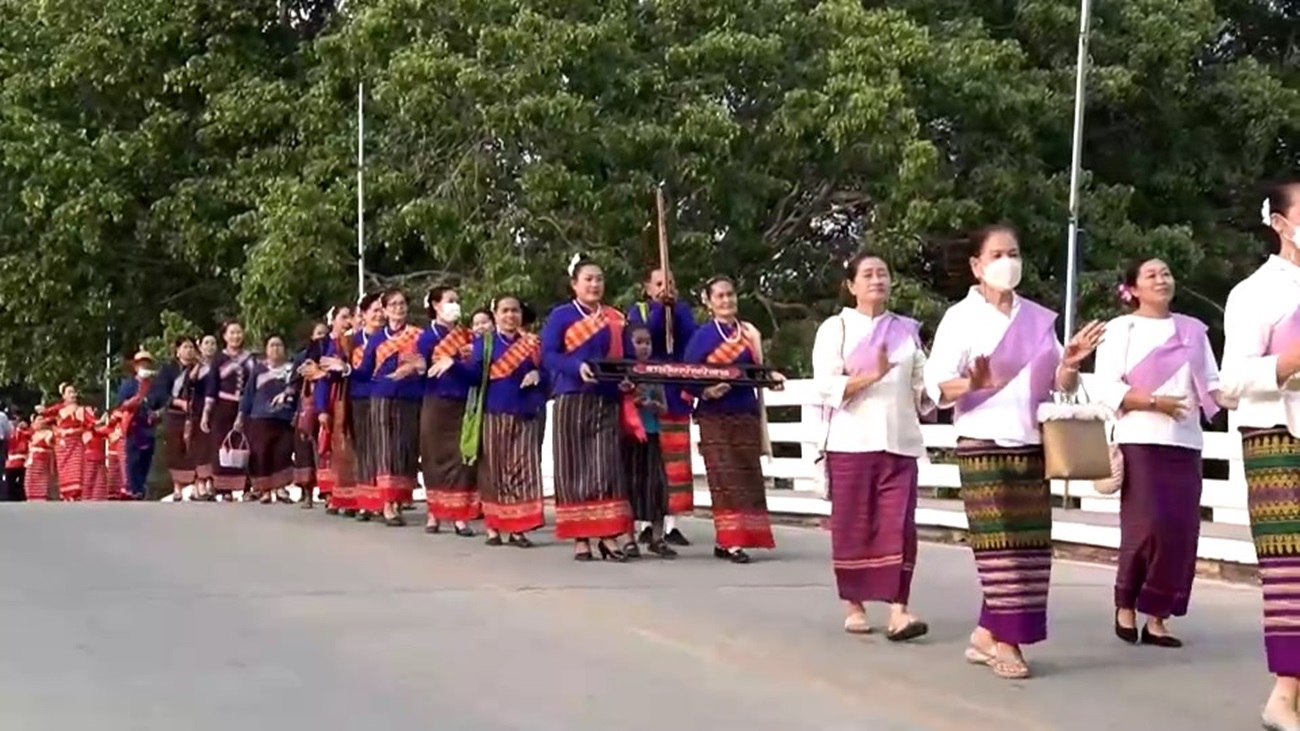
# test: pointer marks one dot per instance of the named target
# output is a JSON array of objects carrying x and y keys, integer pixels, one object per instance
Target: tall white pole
[
  {"x": 1076, "y": 167},
  {"x": 108, "y": 359},
  {"x": 361, "y": 195}
]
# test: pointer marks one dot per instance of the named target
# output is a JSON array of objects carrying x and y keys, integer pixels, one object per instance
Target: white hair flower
[
  {"x": 1266, "y": 213},
  {"x": 428, "y": 300},
  {"x": 329, "y": 315},
  {"x": 573, "y": 263}
]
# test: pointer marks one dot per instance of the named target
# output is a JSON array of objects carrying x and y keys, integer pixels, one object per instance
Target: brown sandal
[
  {"x": 856, "y": 624},
  {"x": 1007, "y": 669}
]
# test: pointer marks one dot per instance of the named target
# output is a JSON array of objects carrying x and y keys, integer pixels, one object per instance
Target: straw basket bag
[
  {"x": 1111, "y": 484},
  {"x": 233, "y": 452},
  {"x": 1074, "y": 438}
]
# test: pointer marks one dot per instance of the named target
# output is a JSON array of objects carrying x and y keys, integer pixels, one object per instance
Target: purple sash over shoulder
[
  {"x": 891, "y": 331},
  {"x": 1285, "y": 334},
  {"x": 1185, "y": 347},
  {"x": 1029, "y": 342}
]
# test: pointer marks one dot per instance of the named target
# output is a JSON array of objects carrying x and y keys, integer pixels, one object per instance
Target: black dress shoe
[
  {"x": 1155, "y": 640},
  {"x": 646, "y": 535},
  {"x": 1127, "y": 634}
]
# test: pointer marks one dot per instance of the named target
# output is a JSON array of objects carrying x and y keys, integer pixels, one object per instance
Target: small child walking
[{"x": 642, "y": 455}]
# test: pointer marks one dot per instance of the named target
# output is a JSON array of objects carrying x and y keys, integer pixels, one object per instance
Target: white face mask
[
  {"x": 1003, "y": 274},
  {"x": 145, "y": 373},
  {"x": 450, "y": 311}
]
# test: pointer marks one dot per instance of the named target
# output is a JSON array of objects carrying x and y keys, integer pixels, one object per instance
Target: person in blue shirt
[{"x": 140, "y": 432}]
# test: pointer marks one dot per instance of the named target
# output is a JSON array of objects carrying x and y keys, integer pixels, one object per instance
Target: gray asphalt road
[{"x": 137, "y": 617}]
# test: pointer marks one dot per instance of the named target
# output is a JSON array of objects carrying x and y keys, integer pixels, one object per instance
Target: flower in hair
[
  {"x": 1125, "y": 293},
  {"x": 1266, "y": 213},
  {"x": 329, "y": 315},
  {"x": 574, "y": 262},
  {"x": 428, "y": 300}
]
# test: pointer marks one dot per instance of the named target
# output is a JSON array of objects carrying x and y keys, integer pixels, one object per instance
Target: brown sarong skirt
[
  {"x": 270, "y": 462},
  {"x": 732, "y": 448},
  {"x": 450, "y": 485},
  {"x": 510, "y": 474},
  {"x": 220, "y": 422},
  {"x": 177, "y": 453},
  {"x": 590, "y": 485},
  {"x": 395, "y": 434}
]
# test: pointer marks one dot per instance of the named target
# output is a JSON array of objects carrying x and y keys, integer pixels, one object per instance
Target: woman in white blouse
[
  {"x": 1261, "y": 372},
  {"x": 995, "y": 359},
  {"x": 867, "y": 364},
  {"x": 1157, "y": 371}
]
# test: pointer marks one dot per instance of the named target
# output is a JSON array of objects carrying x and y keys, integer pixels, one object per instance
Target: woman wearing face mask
[
  {"x": 450, "y": 489},
  {"x": 510, "y": 474},
  {"x": 200, "y": 444},
  {"x": 995, "y": 359},
  {"x": 227, "y": 379},
  {"x": 868, "y": 366},
  {"x": 1159, "y": 376},
  {"x": 732, "y": 438},
  {"x": 266, "y": 412},
  {"x": 174, "y": 389},
  {"x": 1261, "y": 362},
  {"x": 393, "y": 364},
  {"x": 336, "y": 469},
  {"x": 590, "y": 490}
]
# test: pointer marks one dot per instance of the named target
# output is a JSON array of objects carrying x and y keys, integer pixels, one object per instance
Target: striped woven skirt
[
  {"x": 270, "y": 459},
  {"x": 337, "y": 470},
  {"x": 510, "y": 475},
  {"x": 202, "y": 450},
  {"x": 363, "y": 447},
  {"x": 647, "y": 483},
  {"x": 675, "y": 445},
  {"x": 450, "y": 485},
  {"x": 395, "y": 436},
  {"x": 177, "y": 454},
  {"x": 590, "y": 488},
  {"x": 69, "y": 458},
  {"x": 94, "y": 477},
  {"x": 221, "y": 421},
  {"x": 115, "y": 471},
  {"x": 37, "y": 481},
  {"x": 732, "y": 448},
  {"x": 873, "y": 525},
  {"x": 1272, "y": 462},
  {"x": 1159, "y": 526},
  {"x": 1009, "y": 512}
]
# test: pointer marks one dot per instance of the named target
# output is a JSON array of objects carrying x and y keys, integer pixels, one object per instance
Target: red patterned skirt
[
  {"x": 732, "y": 447},
  {"x": 37, "y": 481},
  {"x": 69, "y": 460}
]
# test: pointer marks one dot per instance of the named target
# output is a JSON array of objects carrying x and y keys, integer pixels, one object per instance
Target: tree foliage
[{"x": 180, "y": 162}]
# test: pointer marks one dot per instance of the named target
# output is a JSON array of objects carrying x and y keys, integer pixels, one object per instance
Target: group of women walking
[
  {"x": 373, "y": 401},
  {"x": 994, "y": 360},
  {"x": 69, "y": 452}
]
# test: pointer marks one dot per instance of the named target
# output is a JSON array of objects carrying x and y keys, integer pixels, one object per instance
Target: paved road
[{"x": 134, "y": 617}]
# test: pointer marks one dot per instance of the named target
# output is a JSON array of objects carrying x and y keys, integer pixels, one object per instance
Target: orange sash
[
  {"x": 728, "y": 352},
  {"x": 402, "y": 342},
  {"x": 586, "y": 328},
  {"x": 454, "y": 344},
  {"x": 525, "y": 347}
]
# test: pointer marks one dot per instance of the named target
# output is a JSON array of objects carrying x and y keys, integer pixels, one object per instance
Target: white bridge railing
[{"x": 1089, "y": 524}]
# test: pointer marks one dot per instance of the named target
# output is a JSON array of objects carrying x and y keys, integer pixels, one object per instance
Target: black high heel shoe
[
  {"x": 611, "y": 554},
  {"x": 584, "y": 555},
  {"x": 1127, "y": 634}
]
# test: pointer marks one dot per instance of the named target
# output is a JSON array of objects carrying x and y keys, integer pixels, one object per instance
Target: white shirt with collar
[
  {"x": 1130, "y": 339},
  {"x": 970, "y": 328},
  {"x": 1248, "y": 376},
  {"x": 881, "y": 418}
]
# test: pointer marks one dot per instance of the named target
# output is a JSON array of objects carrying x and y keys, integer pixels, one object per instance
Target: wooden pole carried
[{"x": 663, "y": 267}]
